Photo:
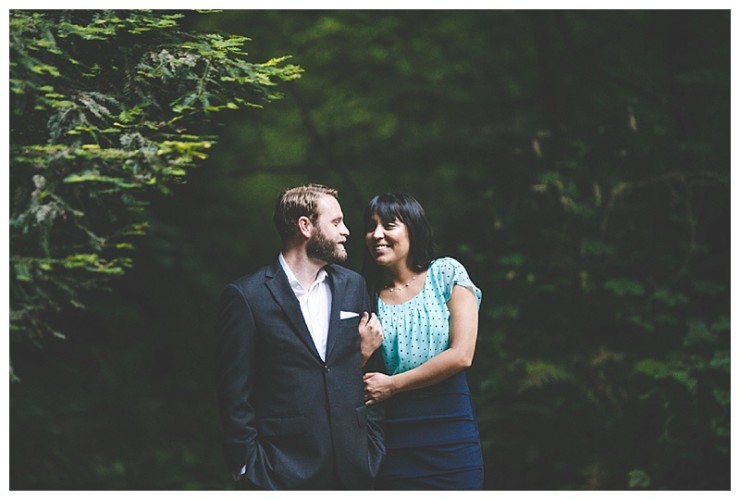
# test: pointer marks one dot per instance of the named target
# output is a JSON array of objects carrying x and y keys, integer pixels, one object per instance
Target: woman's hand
[
  {"x": 456, "y": 358},
  {"x": 371, "y": 335},
  {"x": 378, "y": 387}
]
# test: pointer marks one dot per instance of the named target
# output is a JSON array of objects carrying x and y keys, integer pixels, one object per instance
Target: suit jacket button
[{"x": 327, "y": 369}]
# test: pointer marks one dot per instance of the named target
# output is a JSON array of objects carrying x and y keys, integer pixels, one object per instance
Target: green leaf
[
  {"x": 22, "y": 272},
  {"x": 709, "y": 287},
  {"x": 625, "y": 287},
  {"x": 721, "y": 360},
  {"x": 660, "y": 370},
  {"x": 638, "y": 478},
  {"x": 596, "y": 248},
  {"x": 669, "y": 298},
  {"x": 513, "y": 260},
  {"x": 722, "y": 396},
  {"x": 698, "y": 333},
  {"x": 91, "y": 176},
  {"x": 542, "y": 373}
]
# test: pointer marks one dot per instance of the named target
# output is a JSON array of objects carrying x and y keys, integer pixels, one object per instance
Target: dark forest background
[{"x": 576, "y": 162}]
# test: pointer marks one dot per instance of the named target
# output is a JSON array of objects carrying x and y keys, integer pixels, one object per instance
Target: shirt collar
[{"x": 294, "y": 283}]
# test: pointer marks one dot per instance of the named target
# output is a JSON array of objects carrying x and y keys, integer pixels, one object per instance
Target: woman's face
[{"x": 388, "y": 243}]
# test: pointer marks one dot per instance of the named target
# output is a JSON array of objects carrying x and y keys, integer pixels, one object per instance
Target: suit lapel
[
  {"x": 277, "y": 283},
  {"x": 338, "y": 285}
]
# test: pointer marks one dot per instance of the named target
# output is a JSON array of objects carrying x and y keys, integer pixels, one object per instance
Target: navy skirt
[{"x": 432, "y": 440}]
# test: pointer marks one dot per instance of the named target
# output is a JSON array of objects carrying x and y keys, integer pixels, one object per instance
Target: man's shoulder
[
  {"x": 344, "y": 272},
  {"x": 257, "y": 276}
]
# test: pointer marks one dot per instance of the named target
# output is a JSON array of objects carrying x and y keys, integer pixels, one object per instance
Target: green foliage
[
  {"x": 107, "y": 108},
  {"x": 583, "y": 181},
  {"x": 639, "y": 479},
  {"x": 577, "y": 163}
]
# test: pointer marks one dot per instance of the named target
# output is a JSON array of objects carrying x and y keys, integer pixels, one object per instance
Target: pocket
[
  {"x": 361, "y": 416},
  {"x": 353, "y": 322},
  {"x": 281, "y": 426}
]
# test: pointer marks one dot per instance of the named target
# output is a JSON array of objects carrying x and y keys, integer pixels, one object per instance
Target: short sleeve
[{"x": 450, "y": 273}]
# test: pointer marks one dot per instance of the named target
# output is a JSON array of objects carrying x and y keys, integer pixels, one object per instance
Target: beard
[{"x": 322, "y": 248}]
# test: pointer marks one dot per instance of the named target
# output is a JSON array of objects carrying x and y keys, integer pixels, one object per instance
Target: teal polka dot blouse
[{"x": 419, "y": 329}]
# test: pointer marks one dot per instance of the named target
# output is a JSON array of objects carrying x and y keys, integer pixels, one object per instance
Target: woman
[{"x": 428, "y": 309}]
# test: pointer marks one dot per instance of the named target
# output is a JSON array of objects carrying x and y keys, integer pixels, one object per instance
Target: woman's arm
[
  {"x": 371, "y": 335},
  {"x": 459, "y": 356}
]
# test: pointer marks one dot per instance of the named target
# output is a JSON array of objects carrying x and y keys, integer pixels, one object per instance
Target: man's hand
[{"x": 371, "y": 335}]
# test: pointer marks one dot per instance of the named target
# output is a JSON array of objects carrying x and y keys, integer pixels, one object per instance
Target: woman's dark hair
[{"x": 404, "y": 207}]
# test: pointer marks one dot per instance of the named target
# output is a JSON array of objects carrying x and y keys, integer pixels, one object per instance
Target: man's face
[{"x": 327, "y": 241}]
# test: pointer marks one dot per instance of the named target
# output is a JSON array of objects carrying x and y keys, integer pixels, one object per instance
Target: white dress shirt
[{"x": 315, "y": 305}]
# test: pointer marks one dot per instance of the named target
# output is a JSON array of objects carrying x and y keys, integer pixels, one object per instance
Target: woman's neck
[{"x": 398, "y": 275}]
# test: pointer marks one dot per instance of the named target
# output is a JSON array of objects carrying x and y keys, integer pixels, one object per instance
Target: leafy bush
[{"x": 107, "y": 108}]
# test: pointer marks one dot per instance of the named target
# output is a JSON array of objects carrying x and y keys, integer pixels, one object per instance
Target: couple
[{"x": 313, "y": 395}]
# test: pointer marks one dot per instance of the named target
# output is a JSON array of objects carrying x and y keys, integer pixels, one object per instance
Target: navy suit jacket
[{"x": 294, "y": 420}]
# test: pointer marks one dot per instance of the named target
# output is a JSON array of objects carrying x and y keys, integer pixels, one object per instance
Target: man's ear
[{"x": 305, "y": 226}]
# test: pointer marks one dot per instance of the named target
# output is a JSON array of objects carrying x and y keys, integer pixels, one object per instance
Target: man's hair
[{"x": 298, "y": 202}]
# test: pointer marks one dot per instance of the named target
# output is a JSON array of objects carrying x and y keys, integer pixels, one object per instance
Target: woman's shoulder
[
  {"x": 445, "y": 270},
  {"x": 448, "y": 272},
  {"x": 444, "y": 264}
]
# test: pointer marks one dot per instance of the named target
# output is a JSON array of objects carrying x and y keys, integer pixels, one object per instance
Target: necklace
[{"x": 393, "y": 289}]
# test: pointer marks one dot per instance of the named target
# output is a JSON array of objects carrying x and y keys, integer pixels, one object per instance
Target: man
[{"x": 289, "y": 358}]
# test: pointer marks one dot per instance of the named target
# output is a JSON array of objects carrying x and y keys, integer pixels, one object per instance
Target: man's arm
[{"x": 234, "y": 377}]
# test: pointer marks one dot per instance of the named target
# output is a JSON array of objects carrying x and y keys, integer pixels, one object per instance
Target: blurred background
[{"x": 576, "y": 162}]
